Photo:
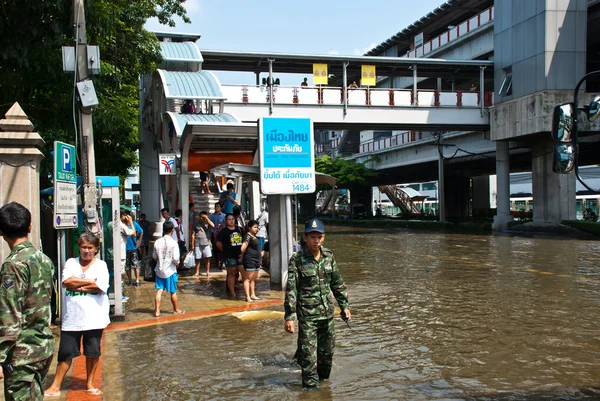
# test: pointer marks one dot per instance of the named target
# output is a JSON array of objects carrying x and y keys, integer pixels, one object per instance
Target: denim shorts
[{"x": 231, "y": 263}]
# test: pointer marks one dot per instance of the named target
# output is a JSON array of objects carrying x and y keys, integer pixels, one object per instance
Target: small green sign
[{"x": 64, "y": 162}]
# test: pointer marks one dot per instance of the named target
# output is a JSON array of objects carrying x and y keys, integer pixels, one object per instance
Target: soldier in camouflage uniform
[
  {"x": 312, "y": 276},
  {"x": 26, "y": 341}
]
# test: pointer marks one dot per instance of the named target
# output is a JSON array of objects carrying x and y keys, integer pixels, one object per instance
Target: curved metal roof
[
  {"x": 180, "y": 51},
  {"x": 180, "y": 120},
  {"x": 200, "y": 85}
]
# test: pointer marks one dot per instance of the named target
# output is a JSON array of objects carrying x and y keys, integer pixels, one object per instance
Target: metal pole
[
  {"x": 288, "y": 224},
  {"x": 270, "y": 85},
  {"x": 481, "y": 89},
  {"x": 88, "y": 161},
  {"x": 345, "y": 87},
  {"x": 296, "y": 230},
  {"x": 60, "y": 243},
  {"x": 441, "y": 191},
  {"x": 416, "y": 102}
]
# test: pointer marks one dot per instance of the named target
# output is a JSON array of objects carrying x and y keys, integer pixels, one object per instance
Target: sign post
[
  {"x": 65, "y": 186},
  {"x": 287, "y": 167},
  {"x": 65, "y": 204}
]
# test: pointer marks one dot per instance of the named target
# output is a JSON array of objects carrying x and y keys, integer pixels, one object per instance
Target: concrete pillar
[
  {"x": 481, "y": 192},
  {"x": 457, "y": 196},
  {"x": 280, "y": 238},
  {"x": 20, "y": 169},
  {"x": 150, "y": 194},
  {"x": 503, "y": 186},
  {"x": 254, "y": 194},
  {"x": 184, "y": 200},
  {"x": 553, "y": 194}
]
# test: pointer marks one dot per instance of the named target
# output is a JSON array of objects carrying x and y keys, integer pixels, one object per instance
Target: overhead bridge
[{"x": 363, "y": 108}]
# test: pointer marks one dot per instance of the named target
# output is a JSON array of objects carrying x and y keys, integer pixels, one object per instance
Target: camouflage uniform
[
  {"x": 308, "y": 295},
  {"x": 26, "y": 341}
]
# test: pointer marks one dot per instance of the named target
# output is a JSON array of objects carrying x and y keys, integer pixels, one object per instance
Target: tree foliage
[
  {"x": 31, "y": 36},
  {"x": 347, "y": 173}
]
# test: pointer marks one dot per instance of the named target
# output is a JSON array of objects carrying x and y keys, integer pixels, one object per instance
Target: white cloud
[
  {"x": 334, "y": 52},
  {"x": 192, "y": 6},
  {"x": 359, "y": 52}
]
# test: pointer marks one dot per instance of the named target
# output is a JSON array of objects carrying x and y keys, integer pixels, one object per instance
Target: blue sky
[{"x": 310, "y": 27}]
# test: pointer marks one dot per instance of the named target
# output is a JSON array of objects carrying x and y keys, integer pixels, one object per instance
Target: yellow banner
[
  {"x": 320, "y": 75},
  {"x": 368, "y": 75}
]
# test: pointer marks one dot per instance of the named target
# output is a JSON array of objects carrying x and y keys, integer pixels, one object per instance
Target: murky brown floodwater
[{"x": 435, "y": 317}]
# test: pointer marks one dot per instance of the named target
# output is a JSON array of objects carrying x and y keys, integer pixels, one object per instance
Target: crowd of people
[{"x": 27, "y": 343}]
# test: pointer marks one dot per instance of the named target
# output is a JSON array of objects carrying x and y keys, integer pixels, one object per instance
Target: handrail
[
  {"x": 400, "y": 199},
  {"x": 467, "y": 26}
]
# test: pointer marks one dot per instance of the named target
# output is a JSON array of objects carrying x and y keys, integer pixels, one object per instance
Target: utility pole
[{"x": 86, "y": 134}]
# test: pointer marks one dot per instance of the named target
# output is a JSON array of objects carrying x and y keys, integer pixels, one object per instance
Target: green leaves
[
  {"x": 31, "y": 36},
  {"x": 346, "y": 172}
]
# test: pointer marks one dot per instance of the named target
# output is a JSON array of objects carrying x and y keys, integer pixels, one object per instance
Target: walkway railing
[
  {"x": 453, "y": 34},
  {"x": 332, "y": 96},
  {"x": 400, "y": 199}
]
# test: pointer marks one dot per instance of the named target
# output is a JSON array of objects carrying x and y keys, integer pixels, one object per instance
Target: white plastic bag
[{"x": 190, "y": 260}]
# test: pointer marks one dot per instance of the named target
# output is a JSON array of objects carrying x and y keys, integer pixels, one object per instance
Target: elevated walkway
[{"x": 364, "y": 108}]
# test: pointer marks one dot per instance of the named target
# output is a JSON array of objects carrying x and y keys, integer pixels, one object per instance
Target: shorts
[
  {"x": 250, "y": 267},
  {"x": 202, "y": 251},
  {"x": 182, "y": 248},
  {"x": 70, "y": 344},
  {"x": 231, "y": 263},
  {"x": 262, "y": 243},
  {"x": 168, "y": 284},
  {"x": 132, "y": 260}
]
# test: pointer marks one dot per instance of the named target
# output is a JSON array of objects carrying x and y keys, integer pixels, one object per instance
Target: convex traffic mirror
[
  {"x": 562, "y": 122},
  {"x": 593, "y": 111},
  {"x": 564, "y": 158}
]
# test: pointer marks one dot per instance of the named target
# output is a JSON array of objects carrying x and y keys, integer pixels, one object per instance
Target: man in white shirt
[{"x": 166, "y": 253}]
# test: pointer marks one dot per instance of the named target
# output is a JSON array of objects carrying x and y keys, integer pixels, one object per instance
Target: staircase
[
  {"x": 400, "y": 199},
  {"x": 203, "y": 201}
]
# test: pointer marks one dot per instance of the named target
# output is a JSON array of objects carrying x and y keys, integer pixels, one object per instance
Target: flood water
[{"x": 435, "y": 316}]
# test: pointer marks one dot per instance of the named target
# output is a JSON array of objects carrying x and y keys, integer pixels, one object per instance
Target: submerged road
[{"x": 435, "y": 316}]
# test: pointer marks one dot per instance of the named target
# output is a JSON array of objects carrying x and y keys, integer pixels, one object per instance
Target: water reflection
[{"x": 435, "y": 316}]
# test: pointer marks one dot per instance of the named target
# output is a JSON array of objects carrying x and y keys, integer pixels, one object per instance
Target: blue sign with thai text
[
  {"x": 287, "y": 142},
  {"x": 286, "y": 147}
]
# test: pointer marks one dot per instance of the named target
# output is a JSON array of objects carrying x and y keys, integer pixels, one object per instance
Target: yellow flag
[
  {"x": 320, "y": 75},
  {"x": 368, "y": 75}
]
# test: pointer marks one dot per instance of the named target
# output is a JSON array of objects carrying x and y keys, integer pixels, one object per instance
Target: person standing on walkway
[
  {"x": 228, "y": 199},
  {"x": 133, "y": 253},
  {"x": 166, "y": 253},
  {"x": 145, "y": 224},
  {"x": 86, "y": 280},
  {"x": 313, "y": 274},
  {"x": 251, "y": 260},
  {"x": 26, "y": 341},
  {"x": 262, "y": 234},
  {"x": 218, "y": 220},
  {"x": 201, "y": 242},
  {"x": 126, "y": 232},
  {"x": 230, "y": 243}
]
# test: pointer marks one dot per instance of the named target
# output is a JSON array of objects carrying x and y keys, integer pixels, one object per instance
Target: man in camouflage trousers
[
  {"x": 312, "y": 276},
  {"x": 26, "y": 341}
]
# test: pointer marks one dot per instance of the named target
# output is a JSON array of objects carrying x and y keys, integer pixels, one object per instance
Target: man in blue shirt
[
  {"x": 218, "y": 216},
  {"x": 228, "y": 199},
  {"x": 132, "y": 246}
]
